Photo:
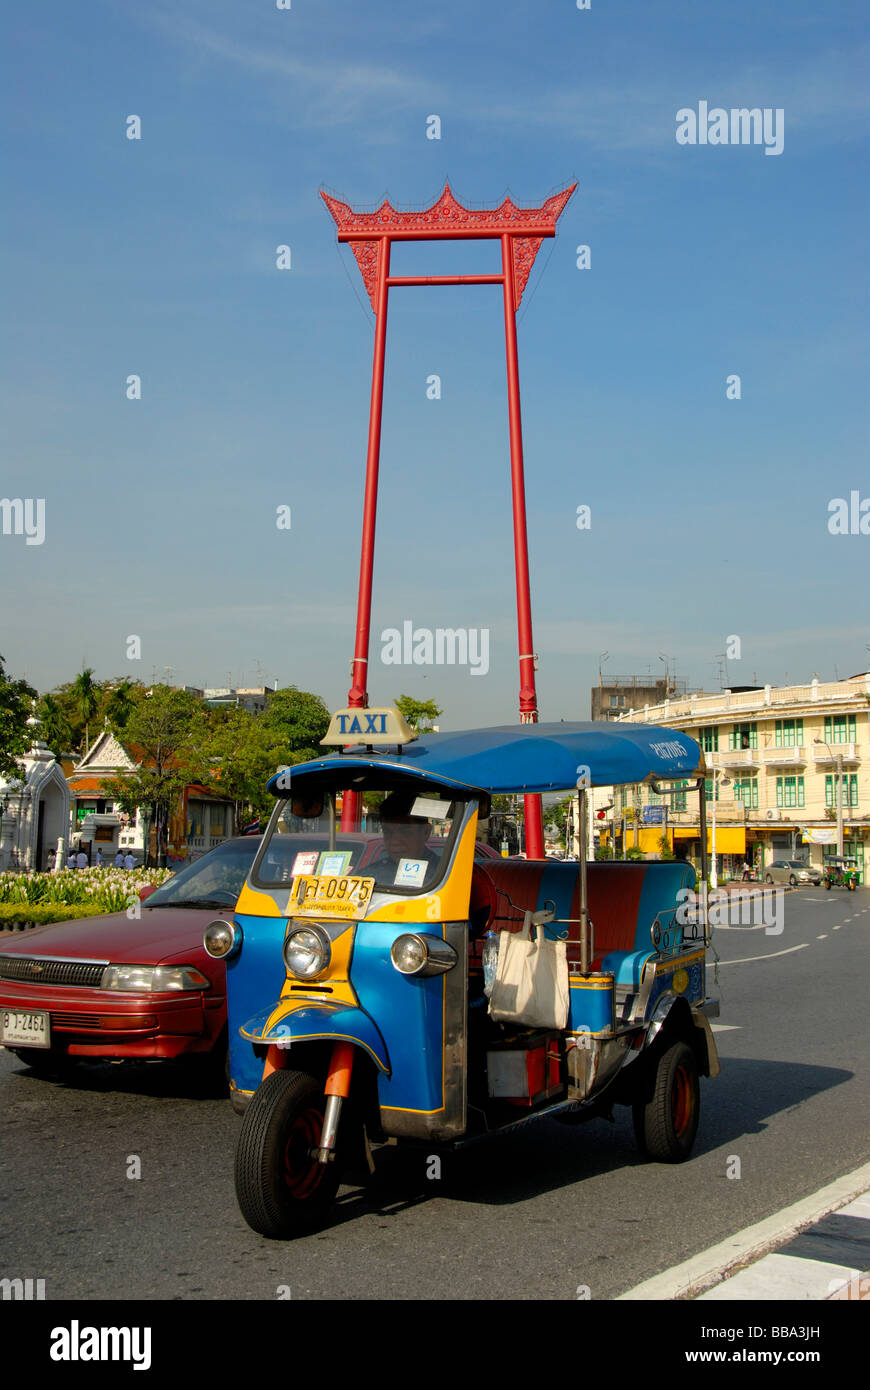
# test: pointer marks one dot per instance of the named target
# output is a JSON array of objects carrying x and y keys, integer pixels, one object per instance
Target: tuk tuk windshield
[{"x": 405, "y": 845}]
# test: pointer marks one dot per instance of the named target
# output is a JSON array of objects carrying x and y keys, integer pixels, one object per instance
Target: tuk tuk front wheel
[
  {"x": 281, "y": 1190},
  {"x": 666, "y": 1114}
]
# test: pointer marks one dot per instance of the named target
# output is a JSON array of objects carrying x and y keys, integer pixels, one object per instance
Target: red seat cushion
[{"x": 505, "y": 891}]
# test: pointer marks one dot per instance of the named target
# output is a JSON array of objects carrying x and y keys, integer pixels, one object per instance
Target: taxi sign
[{"x": 369, "y": 726}]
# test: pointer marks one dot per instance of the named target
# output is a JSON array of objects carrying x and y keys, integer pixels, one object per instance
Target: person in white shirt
[
  {"x": 99, "y": 859},
  {"x": 81, "y": 860},
  {"x": 119, "y": 859},
  {"x": 71, "y": 859},
  {"x": 129, "y": 861}
]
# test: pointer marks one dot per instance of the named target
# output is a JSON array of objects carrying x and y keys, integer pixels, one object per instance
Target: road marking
[
  {"x": 725, "y": 1027},
  {"x": 837, "y": 928},
  {"x": 770, "y": 956},
  {"x": 696, "y": 1275},
  {"x": 822, "y": 937}
]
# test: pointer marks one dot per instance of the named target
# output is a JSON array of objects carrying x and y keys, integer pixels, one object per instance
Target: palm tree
[
  {"x": 121, "y": 703},
  {"x": 56, "y": 729},
  {"x": 86, "y": 696}
]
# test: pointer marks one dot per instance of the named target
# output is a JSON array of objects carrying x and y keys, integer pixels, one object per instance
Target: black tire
[
  {"x": 666, "y": 1113},
  {"x": 828, "y": 884},
  {"x": 768, "y": 879},
  {"x": 281, "y": 1191}
]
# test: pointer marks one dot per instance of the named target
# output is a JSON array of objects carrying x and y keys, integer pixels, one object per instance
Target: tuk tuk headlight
[
  {"x": 221, "y": 939},
  {"x": 418, "y": 953},
  {"x": 306, "y": 952}
]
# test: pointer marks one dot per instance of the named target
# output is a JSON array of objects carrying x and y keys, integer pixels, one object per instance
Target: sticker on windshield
[
  {"x": 334, "y": 862},
  {"x": 431, "y": 808},
  {"x": 305, "y": 862},
  {"x": 410, "y": 873}
]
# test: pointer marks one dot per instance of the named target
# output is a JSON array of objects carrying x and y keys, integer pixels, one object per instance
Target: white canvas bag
[{"x": 531, "y": 978}]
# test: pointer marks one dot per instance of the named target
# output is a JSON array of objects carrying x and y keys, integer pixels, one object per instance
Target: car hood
[{"x": 159, "y": 933}]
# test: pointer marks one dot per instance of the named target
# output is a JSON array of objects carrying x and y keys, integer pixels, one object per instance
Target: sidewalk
[{"x": 818, "y": 1248}]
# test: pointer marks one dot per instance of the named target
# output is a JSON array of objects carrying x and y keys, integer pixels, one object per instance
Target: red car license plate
[{"x": 24, "y": 1029}]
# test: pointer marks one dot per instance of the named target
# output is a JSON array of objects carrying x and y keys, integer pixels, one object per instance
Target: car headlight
[
  {"x": 418, "y": 953},
  {"x": 306, "y": 952},
  {"x": 222, "y": 939},
  {"x": 154, "y": 979}
]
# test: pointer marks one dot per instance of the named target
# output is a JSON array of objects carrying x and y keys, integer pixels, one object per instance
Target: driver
[{"x": 405, "y": 838}]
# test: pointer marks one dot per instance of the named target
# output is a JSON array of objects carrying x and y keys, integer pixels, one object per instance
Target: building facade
[
  {"x": 201, "y": 821},
  {"x": 776, "y": 756}
]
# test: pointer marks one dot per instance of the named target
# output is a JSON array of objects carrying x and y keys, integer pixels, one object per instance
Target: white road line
[
  {"x": 725, "y": 1027},
  {"x": 694, "y": 1276},
  {"x": 770, "y": 956},
  {"x": 823, "y": 937},
  {"x": 835, "y": 928}
]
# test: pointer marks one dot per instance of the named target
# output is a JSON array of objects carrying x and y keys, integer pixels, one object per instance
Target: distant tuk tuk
[
  {"x": 432, "y": 996},
  {"x": 842, "y": 872}
]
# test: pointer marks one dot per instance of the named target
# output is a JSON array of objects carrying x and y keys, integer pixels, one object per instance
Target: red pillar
[
  {"x": 358, "y": 693},
  {"x": 528, "y": 694}
]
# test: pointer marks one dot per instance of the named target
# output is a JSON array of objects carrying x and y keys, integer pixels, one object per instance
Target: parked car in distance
[{"x": 792, "y": 871}]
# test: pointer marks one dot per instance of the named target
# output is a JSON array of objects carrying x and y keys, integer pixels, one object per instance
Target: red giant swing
[{"x": 521, "y": 232}]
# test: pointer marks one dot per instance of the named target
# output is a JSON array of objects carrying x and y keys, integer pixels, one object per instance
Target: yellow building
[{"x": 775, "y": 755}]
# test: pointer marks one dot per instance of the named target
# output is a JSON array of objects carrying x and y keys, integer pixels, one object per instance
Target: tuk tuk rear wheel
[
  {"x": 666, "y": 1114},
  {"x": 281, "y": 1190}
]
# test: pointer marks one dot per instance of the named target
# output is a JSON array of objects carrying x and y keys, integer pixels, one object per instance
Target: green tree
[
  {"x": 419, "y": 714},
  {"x": 121, "y": 698},
  {"x": 244, "y": 751},
  {"x": 300, "y": 719},
  {"x": 167, "y": 735},
  {"x": 85, "y": 692},
  {"x": 15, "y": 706},
  {"x": 56, "y": 728}
]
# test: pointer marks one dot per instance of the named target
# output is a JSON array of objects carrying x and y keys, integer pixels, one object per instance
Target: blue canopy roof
[{"x": 520, "y": 758}]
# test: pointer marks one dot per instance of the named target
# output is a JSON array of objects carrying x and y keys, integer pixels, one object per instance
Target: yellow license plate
[{"x": 330, "y": 896}]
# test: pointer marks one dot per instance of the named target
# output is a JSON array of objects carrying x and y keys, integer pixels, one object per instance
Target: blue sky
[{"x": 157, "y": 257}]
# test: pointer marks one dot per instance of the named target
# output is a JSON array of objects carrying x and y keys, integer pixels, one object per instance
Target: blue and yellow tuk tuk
[{"x": 361, "y": 985}]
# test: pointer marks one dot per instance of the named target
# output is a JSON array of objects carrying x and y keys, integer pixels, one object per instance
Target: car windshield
[
  {"x": 414, "y": 837},
  {"x": 215, "y": 880}
]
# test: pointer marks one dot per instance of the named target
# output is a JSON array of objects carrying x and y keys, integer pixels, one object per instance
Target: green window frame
[
  {"x": 746, "y": 790},
  {"x": 840, "y": 728},
  {"x": 709, "y": 739},
  {"x": 790, "y": 791},
  {"x": 789, "y": 733},
  {"x": 708, "y": 788},
  {"x": 850, "y": 789},
  {"x": 743, "y": 736}
]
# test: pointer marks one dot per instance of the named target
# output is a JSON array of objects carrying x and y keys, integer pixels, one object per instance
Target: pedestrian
[
  {"x": 129, "y": 861},
  {"x": 119, "y": 859},
  {"x": 747, "y": 872},
  {"x": 71, "y": 859},
  {"x": 81, "y": 860},
  {"x": 99, "y": 859}
]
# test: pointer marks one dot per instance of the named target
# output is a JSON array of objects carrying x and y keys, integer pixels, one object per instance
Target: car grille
[
  {"x": 33, "y": 971},
  {"x": 80, "y": 1021}
]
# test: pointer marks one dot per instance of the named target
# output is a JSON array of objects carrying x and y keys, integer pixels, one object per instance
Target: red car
[{"x": 112, "y": 987}]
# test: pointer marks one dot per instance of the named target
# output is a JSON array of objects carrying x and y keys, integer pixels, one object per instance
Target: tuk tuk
[
  {"x": 842, "y": 872},
  {"x": 362, "y": 989}
]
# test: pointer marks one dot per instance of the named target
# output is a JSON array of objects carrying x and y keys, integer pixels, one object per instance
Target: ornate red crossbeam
[{"x": 521, "y": 232}]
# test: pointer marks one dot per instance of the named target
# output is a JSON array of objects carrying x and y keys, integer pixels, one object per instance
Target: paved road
[{"x": 533, "y": 1215}]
